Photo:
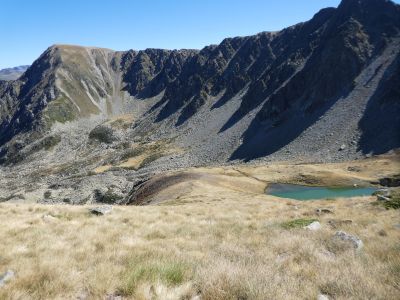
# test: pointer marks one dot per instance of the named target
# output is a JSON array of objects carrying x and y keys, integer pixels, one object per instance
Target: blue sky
[{"x": 30, "y": 26}]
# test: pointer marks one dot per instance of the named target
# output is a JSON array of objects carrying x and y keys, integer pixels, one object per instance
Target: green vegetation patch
[
  {"x": 109, "y": 197},
  {"x": 149, "y": 159},
  {"x": 102, "y": 134},
  {"x": 297, "y": 223},
  {"x": 60, "y": 110},
  {"x": 392, "y": 203},
  {"x": 169, "y": 272}
]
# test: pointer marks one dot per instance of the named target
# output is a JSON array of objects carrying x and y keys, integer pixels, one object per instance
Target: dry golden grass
[
  {"x": 139, "y": 155},
  {"x": 216, "y": 240}
]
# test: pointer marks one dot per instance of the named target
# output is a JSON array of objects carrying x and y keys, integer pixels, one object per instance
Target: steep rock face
[
  {"x": 353, "y": 35},
  {"x": 22, "y": 101},
  {"x": 147, "y": 73},
  {"x": 382, "y": 114}
]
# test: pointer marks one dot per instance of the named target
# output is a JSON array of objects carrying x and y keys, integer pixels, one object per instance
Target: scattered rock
[
  {"x": 354, "y": 169},
  {"x": 343, "y": 147},
  {"x": 337, "y": 223},
  {"x": 383, "y": 192},
  {"x": 320, "y": 211},
  {"x": 101, "y": 210},
  {"x": 382, "y": 198},
  {"x": 322, "y": 297},
  {"x": 352, "y": 239},
  {"x": 314, "y": 226},
  {"x": 6, "y": 277}
]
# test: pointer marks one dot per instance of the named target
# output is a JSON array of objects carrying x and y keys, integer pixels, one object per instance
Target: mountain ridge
[
  {"x": 321, "y": 90},
  {"x": 14, "y": 73}
]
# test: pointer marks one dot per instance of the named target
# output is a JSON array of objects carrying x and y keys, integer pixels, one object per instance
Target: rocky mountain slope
[
  {"x": 12, "y": 73},
  {"x": 90, "y": 124}
]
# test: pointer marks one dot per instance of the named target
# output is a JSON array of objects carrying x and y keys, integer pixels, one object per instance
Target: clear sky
[{"x": 30, "y": 26}]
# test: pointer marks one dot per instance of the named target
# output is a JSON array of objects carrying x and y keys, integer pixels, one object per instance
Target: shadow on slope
[
  {"x": 265, "y": 138},
  {"x": 380, "y": 124}
]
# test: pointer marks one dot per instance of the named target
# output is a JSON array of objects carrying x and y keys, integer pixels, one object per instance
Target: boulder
[
  {"x": 348, "y": 238},
  {"x": 5, "y": 277},
  {"x": 314, "y": 226},
  {"x": 101, "y": 210},
  {"x": 322, "y": 297}
]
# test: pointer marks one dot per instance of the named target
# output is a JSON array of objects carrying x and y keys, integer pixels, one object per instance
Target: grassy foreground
[{"x": 212, "y": 242}]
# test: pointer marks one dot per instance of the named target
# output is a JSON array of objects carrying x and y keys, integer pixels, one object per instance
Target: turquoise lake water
[{"x": 301, "y": 192}]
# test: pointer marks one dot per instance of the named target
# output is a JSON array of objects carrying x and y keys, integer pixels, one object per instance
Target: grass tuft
[
  {"x": 297, "y": 223},
  {"x": 171, "y": 273}
]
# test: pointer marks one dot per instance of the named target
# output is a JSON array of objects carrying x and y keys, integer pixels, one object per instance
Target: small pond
[{"x": 302, "y": 192}]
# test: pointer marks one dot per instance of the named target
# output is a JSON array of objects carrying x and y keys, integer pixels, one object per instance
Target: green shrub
[
  {"x": 394, "y": 202},
  {"x": 102, "y": 134},
  {"x": 108, "y": 197}
]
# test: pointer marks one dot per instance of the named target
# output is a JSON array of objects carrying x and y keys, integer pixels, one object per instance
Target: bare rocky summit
[{"x": 91, "y": 124}]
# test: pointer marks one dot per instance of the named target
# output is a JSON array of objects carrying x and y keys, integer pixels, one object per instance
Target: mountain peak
[{"x": 366, "y": 6}]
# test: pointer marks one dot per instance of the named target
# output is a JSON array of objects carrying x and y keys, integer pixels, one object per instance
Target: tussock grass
[
  {"x": 228, "y": 249},
  {"x": 139, "y": 271},
  {"x": 218, "y": 241}
]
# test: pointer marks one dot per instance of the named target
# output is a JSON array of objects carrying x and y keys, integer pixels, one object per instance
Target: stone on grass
[
  {"x": 322, "y": 297},
  {"x": 314, "y": 226},
  {"x": 101, "y": 210},
  {"x": 351, "y": 239},
  {"x": 383, "y": 192},
  {"x": 320, "y": 211},
  {"x": 382, "y": 198},
  {"x": 6, "y": 277}
]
